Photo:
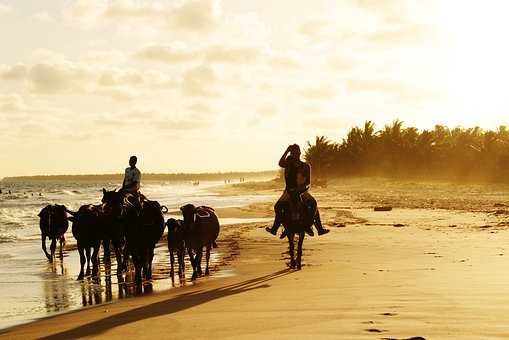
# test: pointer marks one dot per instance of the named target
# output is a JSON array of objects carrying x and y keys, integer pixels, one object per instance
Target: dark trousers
[{"x": 284, "y": 203}]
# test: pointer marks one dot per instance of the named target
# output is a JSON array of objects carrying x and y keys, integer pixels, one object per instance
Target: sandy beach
[{"x": 431, "y": 268}]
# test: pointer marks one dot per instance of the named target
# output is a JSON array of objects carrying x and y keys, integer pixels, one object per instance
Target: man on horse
[
  {"x": 131, "y": 183},
  {"x": 297, "y": 178}
]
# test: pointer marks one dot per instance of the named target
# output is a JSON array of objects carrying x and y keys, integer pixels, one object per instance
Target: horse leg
[
  {"x": 53, "y": 248},
  {"x": 125, "y": 258},
  {"x": 95, "y": 259},
  {"x": 43, "y": 241},
  {"x": 118, "y": 257},
  {"x": 62, "y": 242},
  {"x": 207, "y": 258},
  {"x": 137, "y": 267},
  {"x": 193, "y": 259},
  {"x": 87, "y": 252},
  {"x": 197, "y": 260},
  {"x": 172, "y": 264},
  {"x": 82, "y": 261},
  {"x": 291, "y": 251},
  {"x": 106, "y": 248},
  {"x": 299, "y": 250},
  {"x": 150, "y": 258},
  {"x": 182, "y": 264}
]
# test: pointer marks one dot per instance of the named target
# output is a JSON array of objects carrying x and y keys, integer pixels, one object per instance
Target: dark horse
[
  {"x": 201, "y": 227},
  {"x": 88, "y": 230},
  {"x": 53, "y": 223},
  {"x": 143, "y": 229},
  {"x": 176, "y": 245},
  {"x": 297, "y": 217}
]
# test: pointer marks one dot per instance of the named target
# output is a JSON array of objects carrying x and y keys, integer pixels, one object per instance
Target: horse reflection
[{"x": 56, "y": 288}]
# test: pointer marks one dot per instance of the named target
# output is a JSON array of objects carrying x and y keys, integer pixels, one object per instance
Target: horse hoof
[
  {"x": 80, "y": 277},
  {"x": 207, "y": 273}
]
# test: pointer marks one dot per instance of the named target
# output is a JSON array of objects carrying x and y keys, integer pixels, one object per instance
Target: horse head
[
  {"x": 113, "y": 202},
  {"x": 188, "y": 212}
]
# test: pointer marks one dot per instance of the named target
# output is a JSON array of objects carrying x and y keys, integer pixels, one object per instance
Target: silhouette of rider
[
  {"x": 297, "y": 178},
  {"x": 131, "y": 183}
]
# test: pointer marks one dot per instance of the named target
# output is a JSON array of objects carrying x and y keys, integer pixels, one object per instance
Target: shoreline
[{"x": 366, "y": 279}]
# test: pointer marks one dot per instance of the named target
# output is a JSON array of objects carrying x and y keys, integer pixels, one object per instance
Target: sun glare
[{"x": 477, "y": 56}]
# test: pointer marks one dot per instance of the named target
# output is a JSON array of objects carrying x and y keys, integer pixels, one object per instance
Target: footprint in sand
[
  {"x": 389, "y": 314},
  {"x": 412, "y": 338},
  {"x": 375, "y": 330}
]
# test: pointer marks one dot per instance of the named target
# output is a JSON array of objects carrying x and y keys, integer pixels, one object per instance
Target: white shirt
[{"x": 131, "y": 176}]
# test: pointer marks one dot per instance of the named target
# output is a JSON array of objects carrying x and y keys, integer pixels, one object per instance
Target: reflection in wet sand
[
  {"x": 63, "y": 292},
  {"x": 57, "y": 288}
]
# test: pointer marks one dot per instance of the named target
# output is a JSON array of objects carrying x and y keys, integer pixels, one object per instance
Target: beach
[{"x": 434, "y": 267}]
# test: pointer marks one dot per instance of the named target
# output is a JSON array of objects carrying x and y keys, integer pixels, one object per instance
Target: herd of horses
[{"x": 133, "y": 233}]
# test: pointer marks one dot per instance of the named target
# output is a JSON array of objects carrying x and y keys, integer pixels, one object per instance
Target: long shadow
[{"x": 166, "y": 307}]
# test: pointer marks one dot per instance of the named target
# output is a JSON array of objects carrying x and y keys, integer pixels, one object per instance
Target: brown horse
[
  {"x": 296, "y": 219},
  {"x": 176, "y": 245},
  {"x": 201, "y": 227},
  {"x": 53, "y": 224}
]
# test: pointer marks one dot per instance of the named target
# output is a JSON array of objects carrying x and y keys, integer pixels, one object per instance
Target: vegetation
[
  {"x": 398, "y": 151},
  {"x": 218, "y": 176}
]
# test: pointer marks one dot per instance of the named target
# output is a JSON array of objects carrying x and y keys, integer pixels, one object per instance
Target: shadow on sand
[{"x": 166, "y": 307}]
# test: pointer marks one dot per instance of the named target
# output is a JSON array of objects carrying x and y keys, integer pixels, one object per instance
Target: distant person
[
  {"x": 132, "y": 182},
  {"x": 297, "y": 179}
]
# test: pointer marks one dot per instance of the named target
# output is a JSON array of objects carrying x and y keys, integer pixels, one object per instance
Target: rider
[
  {"x": 131, "y": 183},
  {"x": 297, "y": 178}
]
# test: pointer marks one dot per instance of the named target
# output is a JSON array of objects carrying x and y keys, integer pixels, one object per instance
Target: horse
[
  {"x": 176, "y": 245},
  {"x": 114, "y": 205},
  {"x": 143, "y": 229},
  {"x": 296, "y": 219},
  {"x": 53, "y": 224},
  {"x": 88, "y": 230},
  {"x": 201, "y": 227}
]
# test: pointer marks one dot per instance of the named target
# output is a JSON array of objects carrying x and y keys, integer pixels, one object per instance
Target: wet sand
[{"x": 412, "y": 272}]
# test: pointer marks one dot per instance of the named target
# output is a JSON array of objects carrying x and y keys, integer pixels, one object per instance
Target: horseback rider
[
  {"x": 297, "y": 178},
  {"x": 131, "y": 183}
]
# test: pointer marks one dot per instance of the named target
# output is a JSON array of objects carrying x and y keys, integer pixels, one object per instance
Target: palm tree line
[{"x": 398, "y": 151}]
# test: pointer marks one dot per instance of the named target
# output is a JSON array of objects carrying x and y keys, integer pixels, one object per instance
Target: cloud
[
  {"x": 196, "y": 15},
  {"x": 166, "y": 54},
  {"x": 200, "y": 81},
  {"x": 235, "y": 55},
  {"x": 318, "y": 93},
  {"x": 266, "y": 111},
  {"x": 43, "y": 16},
  {"x": 5, "y": 9},
  {"x": 56, "y": 78},
  {"x": 193, "y": 16},
  {"x": 12, "y": 102},
  {"x": 211, "y": 54},
  {"x": 13, "y": 72},
  {"x": 290, "y": 61}
]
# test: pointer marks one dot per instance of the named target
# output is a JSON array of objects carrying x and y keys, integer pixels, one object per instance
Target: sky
[{"x": 210, "y": 85}]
